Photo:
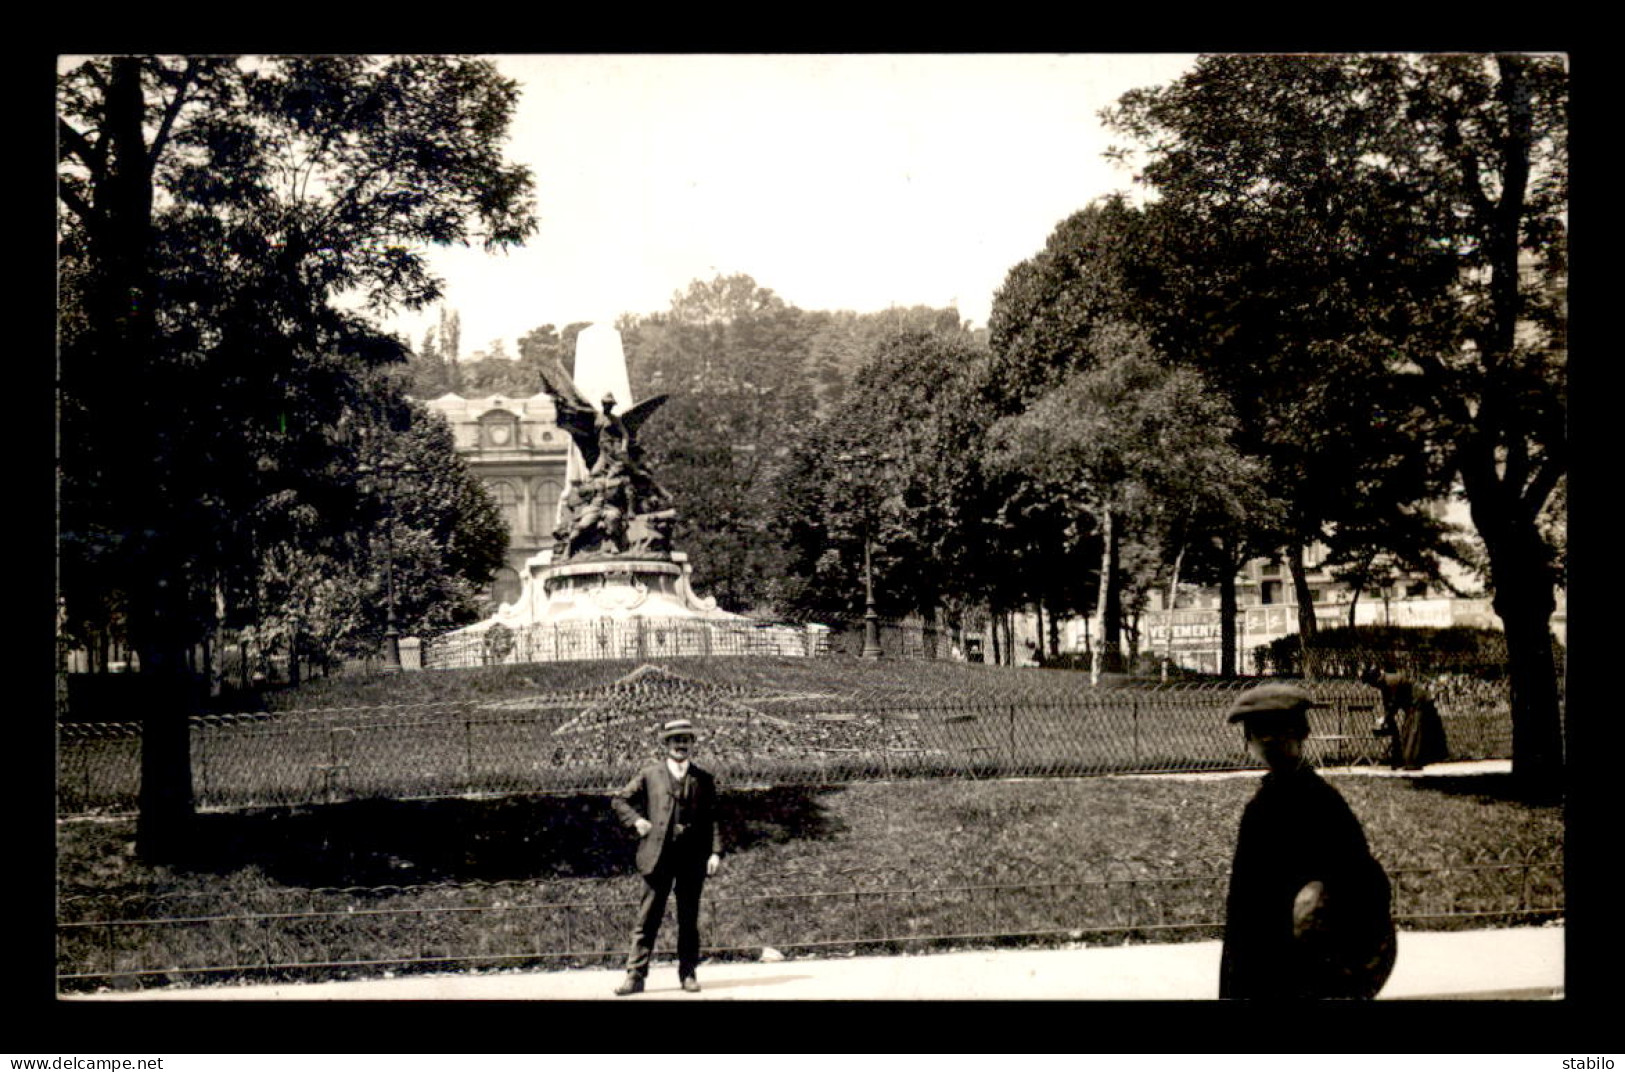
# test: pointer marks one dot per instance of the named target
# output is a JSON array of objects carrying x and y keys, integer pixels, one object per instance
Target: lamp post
[
  {"x": 871, "y": 619},
  {"x": 386, "y": 473}
]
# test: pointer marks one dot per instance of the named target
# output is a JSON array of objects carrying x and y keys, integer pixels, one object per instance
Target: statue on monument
[{"x": 618, "y": 507}]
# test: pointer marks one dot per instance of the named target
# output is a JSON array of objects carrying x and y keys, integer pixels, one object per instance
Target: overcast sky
[{"x": 836, "y": 181}]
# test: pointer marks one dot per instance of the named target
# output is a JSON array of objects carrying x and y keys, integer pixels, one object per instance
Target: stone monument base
[{"x": 615, "y": 607}]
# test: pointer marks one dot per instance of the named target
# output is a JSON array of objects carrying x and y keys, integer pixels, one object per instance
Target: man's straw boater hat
[{"x": 677, "y": 727}]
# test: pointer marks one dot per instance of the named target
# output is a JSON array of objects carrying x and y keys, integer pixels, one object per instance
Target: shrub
[{"x": 1414, "y": 650}]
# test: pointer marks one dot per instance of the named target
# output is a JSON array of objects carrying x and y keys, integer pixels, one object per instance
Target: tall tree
[
  {"x": 1059, "y": 315},
  {"x": 214, "y": 214},
  {"x": 1133, "y": 443},
  {"x": 728, "y": 354},
  {"x": 1048, "y": 307},
  {"x": 1403, "y": 218}
]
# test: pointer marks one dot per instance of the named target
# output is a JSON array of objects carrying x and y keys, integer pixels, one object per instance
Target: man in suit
[{"x": 671, "y": 804}]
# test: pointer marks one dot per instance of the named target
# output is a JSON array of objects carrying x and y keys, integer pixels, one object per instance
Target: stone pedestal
[
  {"x": 618, "y": 588},
  {"x": 616, "y": 608}
]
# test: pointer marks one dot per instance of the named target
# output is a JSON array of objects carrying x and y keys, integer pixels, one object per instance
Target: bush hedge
[{"x": 1415, "y": 650}]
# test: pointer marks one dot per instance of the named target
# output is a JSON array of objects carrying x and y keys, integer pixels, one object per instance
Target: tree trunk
[
  {"x": 1173, "y": 600},
  {"x": 168, "y": 697},
  {"x": 1521, "y": 580},
  {"x": 1537, "y": 725},
  {"x": 1307, "y": 624},
  {"x": 120, "y": 349},
  {"x": 217, "y": 645},
  {"x": 1227, "y": 610},
  {"x": 1108, "y": 604}
]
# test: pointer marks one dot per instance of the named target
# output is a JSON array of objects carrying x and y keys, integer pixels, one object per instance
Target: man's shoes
[
  {"x": 632, "y": 984},
  {"x": 691, "y": 984}
]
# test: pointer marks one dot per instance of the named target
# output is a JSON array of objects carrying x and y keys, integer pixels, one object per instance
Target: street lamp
[
  {"x": 871, "y": 619},
  {"x": 386, "y": 473}
]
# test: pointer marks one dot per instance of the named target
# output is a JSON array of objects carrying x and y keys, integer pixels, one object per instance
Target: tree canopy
[
  {"x": 1372, "y": 247},
  {"x": 229, "y": 228},
  {"x": 226, "y": 227},
  {"x": 744, "y": 370}
]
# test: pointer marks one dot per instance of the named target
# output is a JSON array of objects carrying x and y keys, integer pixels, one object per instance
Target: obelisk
[{"x": 600, "y": 370}]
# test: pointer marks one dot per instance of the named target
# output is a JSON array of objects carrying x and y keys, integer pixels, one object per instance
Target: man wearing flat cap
[
  {"x": 1308, "y": 913},
  {"x": 671, "y": 805}
]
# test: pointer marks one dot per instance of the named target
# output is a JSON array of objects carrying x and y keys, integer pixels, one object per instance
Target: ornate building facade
[{"x": 516, "y": 449}]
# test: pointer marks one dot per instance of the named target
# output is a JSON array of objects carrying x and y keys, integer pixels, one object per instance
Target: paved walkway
[
  {"x": 1512, "y": 963},
  {"x": 1462, "y": 768}
]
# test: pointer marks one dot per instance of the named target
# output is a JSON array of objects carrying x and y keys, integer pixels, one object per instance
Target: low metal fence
[
  {"x": 638, "y": 637},
  {"x": 588, "y": 740},
  {"x": 632, "y": 638},
  {"x": 354, "y": 932}
]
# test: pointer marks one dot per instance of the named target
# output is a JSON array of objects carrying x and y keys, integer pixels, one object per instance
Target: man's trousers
[{"x": 689, "y": 880}]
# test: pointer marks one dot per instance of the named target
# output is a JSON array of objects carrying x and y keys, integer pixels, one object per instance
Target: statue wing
[
  {"x": 633, "y": 418},
  {"x": 574, "y": 413}
]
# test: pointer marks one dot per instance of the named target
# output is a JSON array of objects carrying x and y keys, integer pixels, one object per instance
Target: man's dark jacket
[
  {"x": 650, "y": 795},
  {"x": 1295, "y": 831}
]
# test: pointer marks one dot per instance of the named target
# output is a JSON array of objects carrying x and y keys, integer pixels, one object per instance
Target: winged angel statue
[{"x": 617, "y": 508}]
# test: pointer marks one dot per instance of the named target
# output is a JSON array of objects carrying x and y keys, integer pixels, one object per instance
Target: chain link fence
[
  {"x": 289, "y": 934},
  {"x": 754, "y": 732}
]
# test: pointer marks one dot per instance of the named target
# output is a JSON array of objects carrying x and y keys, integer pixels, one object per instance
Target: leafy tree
[
  {"x": 715, "y": 454},
  {"x": 1375, "y": 552},
  {"x": 1045, "y": 313},
  {"x": 745, "y": 373},
  {"x": 726, "y": 354},
  {"x": 227, "y": 228},
  {"x": 1393, "y": 230},
  {"x": 894, "y": 461},
  {"x": 1130, "y": 442}
]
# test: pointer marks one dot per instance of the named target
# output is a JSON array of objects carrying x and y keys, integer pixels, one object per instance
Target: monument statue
[
  {"x": 617, "y": 507},
  {"x": 613, "y": 585}
]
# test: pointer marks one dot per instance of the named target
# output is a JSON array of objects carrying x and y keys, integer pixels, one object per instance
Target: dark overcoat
[
  {"x": 1295, "y": 831},
  {"x": 1412, "y": 718}
]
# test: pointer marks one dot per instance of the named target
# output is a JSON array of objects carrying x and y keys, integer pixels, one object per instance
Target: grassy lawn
[{"x": 357, "y": 888}]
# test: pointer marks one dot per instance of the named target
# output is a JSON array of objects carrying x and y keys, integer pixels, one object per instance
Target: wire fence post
[
  {"x": 1134, "y": 721},
  {"x": 332, "y": 761}
]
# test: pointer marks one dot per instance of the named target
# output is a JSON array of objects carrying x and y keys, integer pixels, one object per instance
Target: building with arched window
[{"x": 516, "y": 449}]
